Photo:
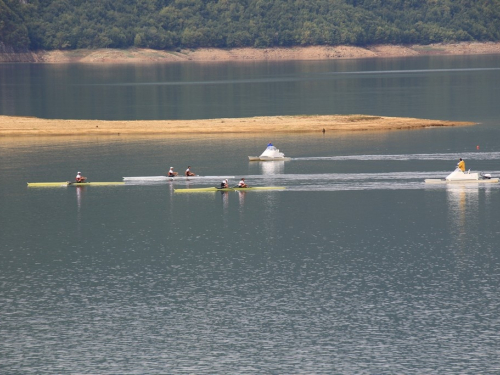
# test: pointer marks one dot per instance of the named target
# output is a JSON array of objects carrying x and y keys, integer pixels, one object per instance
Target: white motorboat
[
  {"x": 459, "y": 177},
  {"x": 271, "y": 153}
]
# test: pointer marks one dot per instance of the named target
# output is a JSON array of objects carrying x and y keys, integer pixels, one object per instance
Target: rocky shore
[{"x": 136, "y": 55}]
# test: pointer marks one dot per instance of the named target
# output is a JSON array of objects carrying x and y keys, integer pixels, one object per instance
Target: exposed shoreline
[
  {"x": 32, "y": 126},
  {"x": 142, "y": 55}
]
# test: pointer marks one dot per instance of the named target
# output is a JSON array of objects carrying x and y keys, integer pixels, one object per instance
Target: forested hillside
[
  {"x": 170, "y": 24},
  {"x": 13, "y": 31}
]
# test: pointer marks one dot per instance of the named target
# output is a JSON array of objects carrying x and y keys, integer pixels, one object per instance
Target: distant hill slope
[{"x": 173, "y": 24}]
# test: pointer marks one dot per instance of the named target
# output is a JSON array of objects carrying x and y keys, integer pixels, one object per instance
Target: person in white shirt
[
  {"x": 242, "y": 183},
  {"x": 79, "y": 177},
  {"x": 171, "y": 172},
  {"x": 188, "y": 172},
  {"x": 224, "y": 184}
]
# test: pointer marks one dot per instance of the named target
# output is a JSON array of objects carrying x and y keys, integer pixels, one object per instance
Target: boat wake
[
  {"x": 361, "y": 185},
  {"x": 335, "y": 181},
  {"x": 357, "y": 181},
  {"x": 348, "y": 177},
  {"x": 296, "y": 77},
  {"x": 403, "y": 157}
]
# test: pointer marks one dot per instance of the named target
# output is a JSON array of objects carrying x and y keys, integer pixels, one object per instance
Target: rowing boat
[
  {"x": 69, "y": 183},
  {"x": 212, "y": 189},
  {"x": 178, "y": 177}
]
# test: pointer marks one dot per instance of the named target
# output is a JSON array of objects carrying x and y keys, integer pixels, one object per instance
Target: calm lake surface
[{"x": 357, "y": 267}]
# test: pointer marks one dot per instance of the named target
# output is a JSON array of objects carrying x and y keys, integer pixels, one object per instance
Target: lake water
[{"x": 358, "y": 267}]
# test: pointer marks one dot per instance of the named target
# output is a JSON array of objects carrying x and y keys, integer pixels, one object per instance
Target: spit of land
[{"x": 32, "y": 126}]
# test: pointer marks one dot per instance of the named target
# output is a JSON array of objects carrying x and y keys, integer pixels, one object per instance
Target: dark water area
[
  {"x": 357, "y": 267},
  {"x": 441, "y": 87}
]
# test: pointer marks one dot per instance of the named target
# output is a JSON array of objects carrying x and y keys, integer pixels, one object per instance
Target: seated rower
[
  {"x": 171, "y": 172},
  {"x": 79, "y": 177},
  {"x": 188, "y": 172},
  {"x": 242, "y": 184},
  {"x": 224, "y": 184},
  {"x": 461, "y": 165}
]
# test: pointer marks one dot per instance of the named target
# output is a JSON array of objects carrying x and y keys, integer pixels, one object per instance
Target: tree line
[{"x": 173, "y": 24}]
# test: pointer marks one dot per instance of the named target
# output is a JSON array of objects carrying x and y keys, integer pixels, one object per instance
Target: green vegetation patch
[{"x": 184, "y": 24}]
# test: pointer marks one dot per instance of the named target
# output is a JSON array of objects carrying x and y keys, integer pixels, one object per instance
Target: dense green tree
[
  {"x": 171, "y": 24},
  {"x": 13, "y": 30}
]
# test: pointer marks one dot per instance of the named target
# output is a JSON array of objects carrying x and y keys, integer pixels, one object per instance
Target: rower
[
  {"x": 224, "y": 184},
  {"x": 171, "y": 172},
  {"x": 79, "y": 177},
  {"x": 242, "y": 184},
  {"x": 461, "y": 165},
  {"x": 188, "y": 172}
]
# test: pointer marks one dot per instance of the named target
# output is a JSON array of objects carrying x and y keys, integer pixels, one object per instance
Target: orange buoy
[{"x": 477, "y": 147}]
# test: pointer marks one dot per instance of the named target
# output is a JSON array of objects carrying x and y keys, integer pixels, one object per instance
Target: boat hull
[
  {"x": 69, "y": 183},
  {"x": 182, "y": 177},
  {"x": 271, "y": 153},
  {"x": 214, "y": 189},
  {"x": 460, "y": 177},
  {"x": 265, "y": 158},
  {"x": 451, "y": 182}
]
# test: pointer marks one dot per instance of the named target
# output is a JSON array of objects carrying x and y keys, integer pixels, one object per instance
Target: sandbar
[{"x": 32, "y": 126}]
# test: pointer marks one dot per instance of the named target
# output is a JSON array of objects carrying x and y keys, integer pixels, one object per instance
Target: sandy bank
[
  {"x": 137, "y": 55},
  {"x": 31, "y": 126}
]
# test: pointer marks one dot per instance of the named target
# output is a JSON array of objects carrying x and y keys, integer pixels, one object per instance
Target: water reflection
[
  {"x": 272, "y": 167},
  {"x": 463, "y": 205},
  {"x": 241, "y": 198},
  {"x": 79, "y": 196},
  {"x": 80, "y": 190},
  {"x": 171, "y": 190},
  {"x": 225, "y": 200}
]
